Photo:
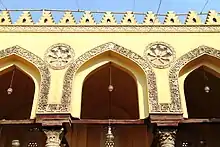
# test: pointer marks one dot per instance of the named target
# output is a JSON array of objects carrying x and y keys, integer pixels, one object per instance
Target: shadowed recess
[
  {"x": 18, "y": 104},
  {"x": 97, "y": 103},
  {"x": 201, "y": 103}
]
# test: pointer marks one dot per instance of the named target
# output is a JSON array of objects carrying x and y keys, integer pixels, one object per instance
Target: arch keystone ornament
[
  {"x": 59, "y": 56},
  {"x": 141, "y": 62},
  {"x": 39, "y": 64},
  {"x": 159, "y": 54},
  {"x": 178, "y": 65}
]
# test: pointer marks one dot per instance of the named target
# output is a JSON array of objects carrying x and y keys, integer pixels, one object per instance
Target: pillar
[
  {"x": 167, "y": 137},
  {"x": 54, "y": 137}
]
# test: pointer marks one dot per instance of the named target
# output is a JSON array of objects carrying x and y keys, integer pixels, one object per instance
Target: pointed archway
[
  {"x": 96, "y": 57},
  {"x": 85, "y": 83},
  {"x": 201, "y": 89},
  {"x": 33, "y": 66},
  {"x": 120, "y": 103},
  {"x": 182, "y": 67},
  {"x": 17, "y": 103},
  {"x": 28, "y": 77}
]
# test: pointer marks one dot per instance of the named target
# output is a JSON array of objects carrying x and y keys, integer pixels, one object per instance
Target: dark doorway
[
  {"x": 202, "y": 93},
  {"x": 98, "y": 103},
  {"x": 18, "y": 104}
]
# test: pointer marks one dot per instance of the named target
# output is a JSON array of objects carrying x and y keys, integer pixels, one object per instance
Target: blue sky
[{"x": 179, "y": 6}]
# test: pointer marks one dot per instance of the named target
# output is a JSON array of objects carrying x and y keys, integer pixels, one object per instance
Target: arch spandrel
[
  {"x": 126, "y": 53},
  {"x": 31, "y": 60},
  {"x": 179, "y": 64}
]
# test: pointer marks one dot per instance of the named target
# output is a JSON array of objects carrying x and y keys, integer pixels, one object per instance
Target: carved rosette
[
  {"x": 54, "y": 137},
  {"x": 167, "y": 137},
  {"x": 159, "y": 54},
  {"x": 59, "y": 56}
]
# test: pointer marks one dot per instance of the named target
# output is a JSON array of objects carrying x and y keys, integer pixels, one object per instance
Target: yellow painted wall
[{"x": 38, "y": 43}]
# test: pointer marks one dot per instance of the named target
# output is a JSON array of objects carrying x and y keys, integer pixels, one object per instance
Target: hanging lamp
[
  {"x": 10, "y": 89},
  {"x": 206, "y": 88},
  {"x": 109, "y": 142}
]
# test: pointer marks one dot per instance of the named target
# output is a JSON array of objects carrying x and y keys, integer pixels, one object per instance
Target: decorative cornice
[{"x": 110, "y": 28}]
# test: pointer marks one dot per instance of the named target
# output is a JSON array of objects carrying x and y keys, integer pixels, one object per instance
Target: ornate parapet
[{"x": 128, "y": 18}]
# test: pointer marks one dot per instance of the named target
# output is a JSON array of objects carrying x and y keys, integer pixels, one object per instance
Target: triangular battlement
[{"x": 109, "y": 18}]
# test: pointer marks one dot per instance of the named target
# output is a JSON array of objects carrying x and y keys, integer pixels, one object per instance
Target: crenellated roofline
[{"x": 108, "y": 18}]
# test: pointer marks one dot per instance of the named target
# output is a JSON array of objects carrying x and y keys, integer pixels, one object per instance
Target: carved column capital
[
  {"x": 54, "y": 137},
  {"x": 167, "y": 137}
]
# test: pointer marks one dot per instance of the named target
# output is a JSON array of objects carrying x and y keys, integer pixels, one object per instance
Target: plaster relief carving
[
  {"x": 167, "y": 137},
  {"x": 178, "y": 65},
  {"x": 159, "y": 54},
  {"x": 54, "y": 137},
  {"x": 151, "y": 78},
  {"x": 59, "y": 56},
  {"x": 5, "y": 18},
  {"x": 40, "y": 65}
]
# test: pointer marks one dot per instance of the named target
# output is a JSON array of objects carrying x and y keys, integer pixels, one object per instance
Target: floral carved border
[
  {"x": 151, "y": 78},
  {"x": 175, "y": 106},
  {"x": 40, "y": 65},
  {"x": 141, "y": 28}
]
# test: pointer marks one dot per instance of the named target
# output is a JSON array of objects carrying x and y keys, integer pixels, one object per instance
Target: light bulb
[
  {"x": 207, "y": 89},
  {"x": 9, "y": 91},
  {"x": 110, "y": 88}
]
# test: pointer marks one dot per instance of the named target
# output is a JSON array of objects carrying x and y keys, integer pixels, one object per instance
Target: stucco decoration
[
  {"x": 46, "y": 18},
  {"x": 212, "y": 18},
  {"x": 67, "y": 19},
  {"x": 151, "y": 78},
  {"x": 167, "y": 137},
  {"x": 193, "y": 18},
  {"x": 108, "y": 18},
  {"x": 40, "y": 65},
  {"x": 151, "y": 18},
  {"x": 129, "y": 18},
  {"x": 54, "y": 137},
  {"x": 159, "y": 54},
  {"x": 87, "y": 19},
  {"x": 178, "y": 65},
  {"x": 5, "y": 18},
  {"x": 59, "y": 56},
  {"x": 80, "y": 28},
  {"x": 25, "y": 19},
  {"x": 171, "y": 18}
]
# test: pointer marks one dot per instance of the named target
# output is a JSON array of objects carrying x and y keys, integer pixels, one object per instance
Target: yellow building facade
[{"x": 64, "y": 83}]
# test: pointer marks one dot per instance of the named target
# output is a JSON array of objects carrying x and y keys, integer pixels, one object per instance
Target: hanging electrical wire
[
  {"x": 109, "y": 142},
  {"x": 77, "y": 4},
  {"x": 10, "y": 89},
  {"x": 3, "y": 5},
  {"x": 207, "y": 1},
  {"x": 134, "y": 5},
  {"x": 157, "y": 12}
]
